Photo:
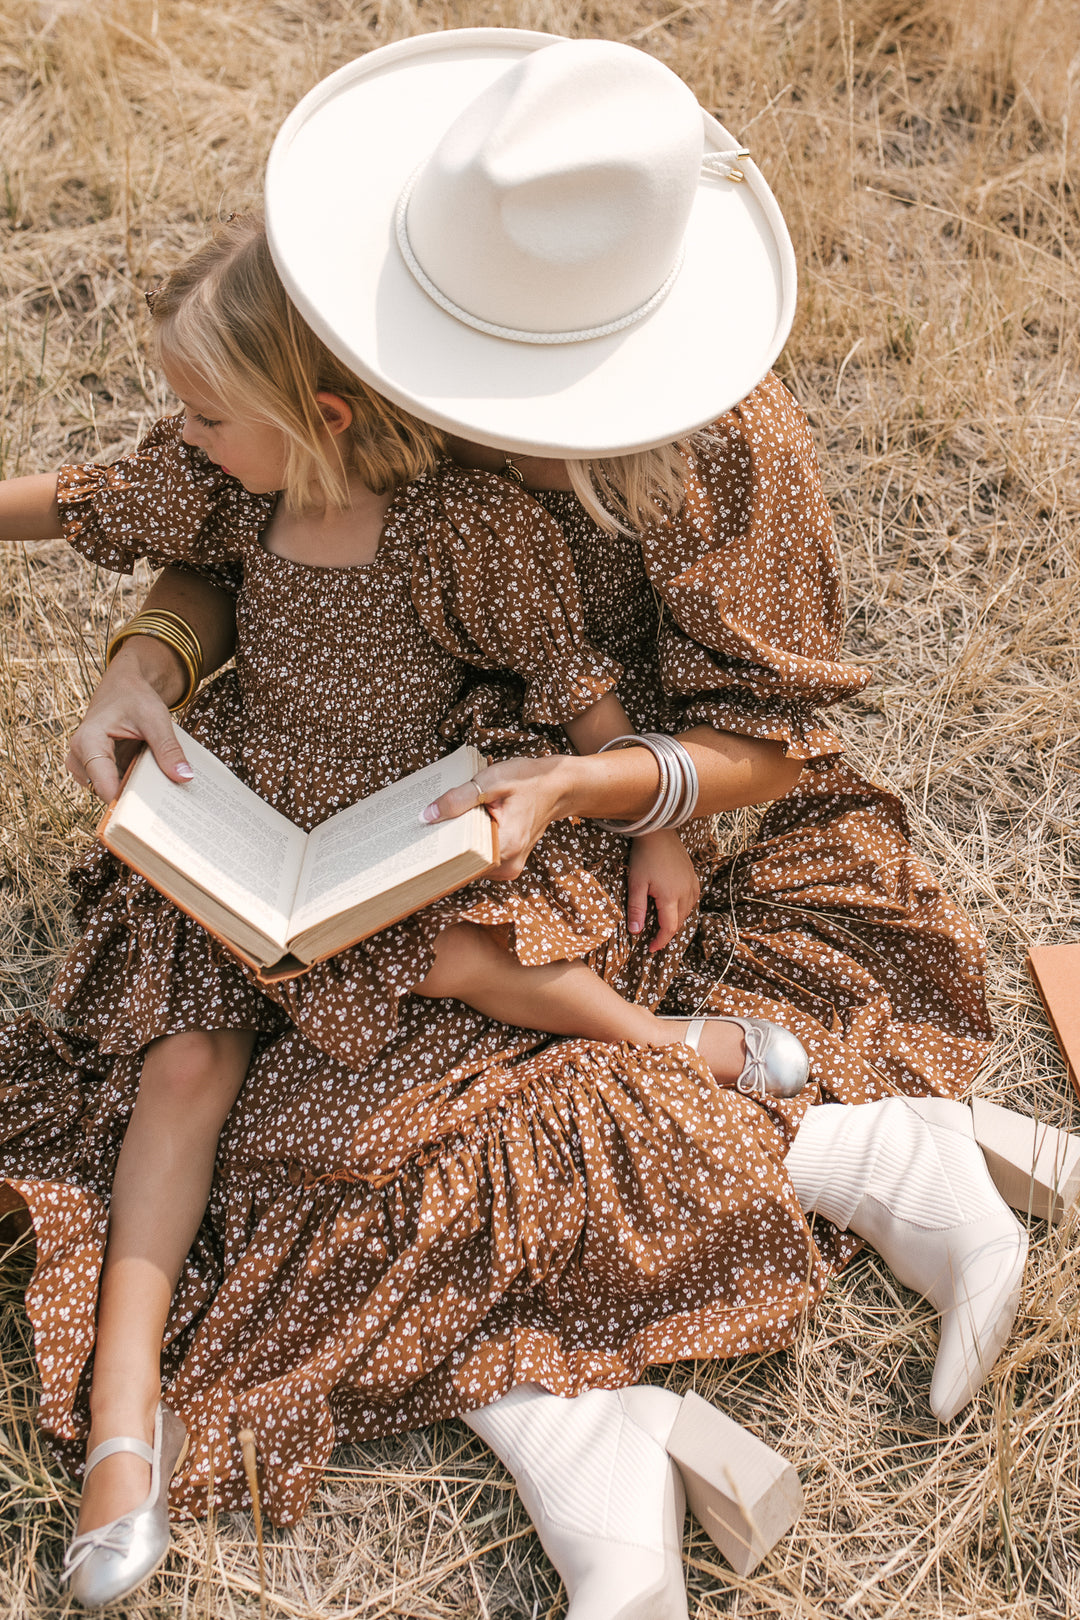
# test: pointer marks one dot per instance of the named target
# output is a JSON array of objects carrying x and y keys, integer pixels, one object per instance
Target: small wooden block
[
  {"x": 1036, "y": 1167},
  {"x": 759, "y": 1497}
]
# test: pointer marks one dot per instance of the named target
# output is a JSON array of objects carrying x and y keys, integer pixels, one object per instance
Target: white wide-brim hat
[{"x": 543, "y": 245}]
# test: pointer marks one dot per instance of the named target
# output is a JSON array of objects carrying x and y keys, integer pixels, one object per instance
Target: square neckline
[{"x": 390, "y": 524}]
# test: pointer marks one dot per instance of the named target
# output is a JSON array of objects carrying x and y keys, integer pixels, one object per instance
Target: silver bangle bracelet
[
  {"x": 692, "y": 787},
  {"x": 664, "y": 793},
  {"x": 677, "y": 795}
]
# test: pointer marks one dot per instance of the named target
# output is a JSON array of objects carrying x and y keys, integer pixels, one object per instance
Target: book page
[
  {"x": 381, "y": 841},
  {"x": 217, "y": 833}
]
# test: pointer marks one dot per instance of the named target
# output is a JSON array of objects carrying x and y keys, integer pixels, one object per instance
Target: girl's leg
[
  {"x": 188, "y": 1084},
  {"x": 562, "y": 998}
]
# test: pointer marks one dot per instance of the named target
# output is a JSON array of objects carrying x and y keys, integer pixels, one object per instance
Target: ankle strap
[
  {"x": 692, "y": 1038},
  {"x": 122, "y": 1442}
]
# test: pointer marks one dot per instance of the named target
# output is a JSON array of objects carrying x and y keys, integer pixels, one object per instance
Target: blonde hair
[
  {"x": 224, "y": 316},
  {"x": 628, "y": 494}
]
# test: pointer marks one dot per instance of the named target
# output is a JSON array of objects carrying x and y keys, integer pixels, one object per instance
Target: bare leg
[
  {"x": 188, "y": 1084},
  {"x": 561, "y": 998}
]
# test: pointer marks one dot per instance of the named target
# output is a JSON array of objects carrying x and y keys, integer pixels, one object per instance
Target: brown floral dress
[
  {"x": 416, "y": 1208},
  {"x": 829, "y": 923}
]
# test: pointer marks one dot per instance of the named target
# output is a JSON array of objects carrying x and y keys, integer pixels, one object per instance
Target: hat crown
[{"x": 558, "y": 200}]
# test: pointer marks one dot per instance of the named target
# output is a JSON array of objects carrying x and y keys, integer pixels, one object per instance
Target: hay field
[{"x": 925, "y": 153}]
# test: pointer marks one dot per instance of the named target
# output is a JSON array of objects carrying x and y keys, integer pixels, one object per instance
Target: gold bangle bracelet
[
  {"x": 160, "y": 632},
  {"x": 176, "y": 633},
  {"x": 141, "y": 630},
  {"x": 171, "y": 627},
  {"x": 182, "y": 627}
]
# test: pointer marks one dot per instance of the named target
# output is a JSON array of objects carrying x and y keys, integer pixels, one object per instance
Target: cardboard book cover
[{"x": 1056, "y": 972}]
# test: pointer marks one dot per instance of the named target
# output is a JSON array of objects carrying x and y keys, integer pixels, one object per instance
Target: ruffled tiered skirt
[
  {"x": 384, "y": 1249},
  {"x": 416, "y": 1208}
]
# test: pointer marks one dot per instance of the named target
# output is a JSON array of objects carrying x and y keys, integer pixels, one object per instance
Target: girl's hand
[
  {"x": 127, "y": 709},
  {"x": 523, "y": 797},
  {"x": 660, "y": 869}
]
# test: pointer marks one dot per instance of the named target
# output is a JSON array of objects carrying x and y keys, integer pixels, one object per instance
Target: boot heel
[
  {"x": 1035, "y": 1167},
  {"x": 741, "y": 1491}
]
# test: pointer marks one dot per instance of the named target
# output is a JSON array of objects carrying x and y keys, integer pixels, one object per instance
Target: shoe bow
[{"x": 114, "y": 1537}]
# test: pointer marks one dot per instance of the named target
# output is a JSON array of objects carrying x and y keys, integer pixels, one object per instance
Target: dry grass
[{"x": 926, "y": 158}]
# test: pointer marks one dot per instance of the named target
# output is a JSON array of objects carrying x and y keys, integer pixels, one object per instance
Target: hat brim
[{"x": 333, "y": 181}]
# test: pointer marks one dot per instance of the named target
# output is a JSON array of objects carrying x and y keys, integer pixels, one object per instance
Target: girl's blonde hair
[{"x": 225, "y": 316}]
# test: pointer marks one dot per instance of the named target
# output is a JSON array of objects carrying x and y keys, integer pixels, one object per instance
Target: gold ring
[
  {"x": 481, "y": 796},
  {"x": 90, "y": 758}
]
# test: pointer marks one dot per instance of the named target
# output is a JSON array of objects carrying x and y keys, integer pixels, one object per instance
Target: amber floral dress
[{"x": 407, "y": 1221}]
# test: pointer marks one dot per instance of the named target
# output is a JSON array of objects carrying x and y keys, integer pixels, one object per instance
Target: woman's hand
[
  {"x": 526, "y": 795},
  {"x": 130, "y": 705},
  {"x": 523, "y": 797},
  {"x": 127, "y": 709},
  {"x": 660, "y": 870}
]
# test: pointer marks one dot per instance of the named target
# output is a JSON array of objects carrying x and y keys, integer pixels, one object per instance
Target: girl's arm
[
  {"x": 166, "y": 501},
  {"x": 132, "y": 698},
  {"x": 28, "y": 509},
  {"x": 658, "y": 866},
  {"x": 131, "y": 703},
  {"x": 600, "y": 724}
]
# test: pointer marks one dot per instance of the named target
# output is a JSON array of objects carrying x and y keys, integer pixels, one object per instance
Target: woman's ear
[{"x": 335, "y": 412}]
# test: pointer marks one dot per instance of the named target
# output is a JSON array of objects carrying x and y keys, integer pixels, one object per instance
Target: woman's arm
[
  {"x": 525, "y": 795},
  {"x": 659, "y": 867},
  {"x": 131, "y": 703}
]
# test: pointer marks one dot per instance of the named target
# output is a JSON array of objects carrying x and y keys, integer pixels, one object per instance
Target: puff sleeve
[
  {"x": 748, "y": 573},
  {"x": 494, "y": 582},
  {"x": 165, "y": 502}
]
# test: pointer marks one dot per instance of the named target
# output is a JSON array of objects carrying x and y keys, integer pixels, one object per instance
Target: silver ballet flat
[
  {"x": 111, "y": 1561},
  {"x": 776, "y": 1061}
]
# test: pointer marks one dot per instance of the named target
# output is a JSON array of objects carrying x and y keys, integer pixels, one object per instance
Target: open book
[{"x": 279, "y": 897}]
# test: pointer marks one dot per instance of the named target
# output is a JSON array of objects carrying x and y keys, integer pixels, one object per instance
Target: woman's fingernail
[
  {"x": 430, "y": 814},
  {"x": 635, "y": 928},
  {"x": 185, "y": 773}
]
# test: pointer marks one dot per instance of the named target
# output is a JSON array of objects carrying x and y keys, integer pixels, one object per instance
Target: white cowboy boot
[
  {"x": 907, "y": 1175},
  {"x": 744, "y": 1494},
  {"x": 602, "y": 1477},
  {"x": 603, "y": 1495}
]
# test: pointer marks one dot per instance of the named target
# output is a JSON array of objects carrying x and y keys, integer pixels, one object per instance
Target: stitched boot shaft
[
  {"x": 908, "y": 1176},
  {"x": 603, "y": 1496}
]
